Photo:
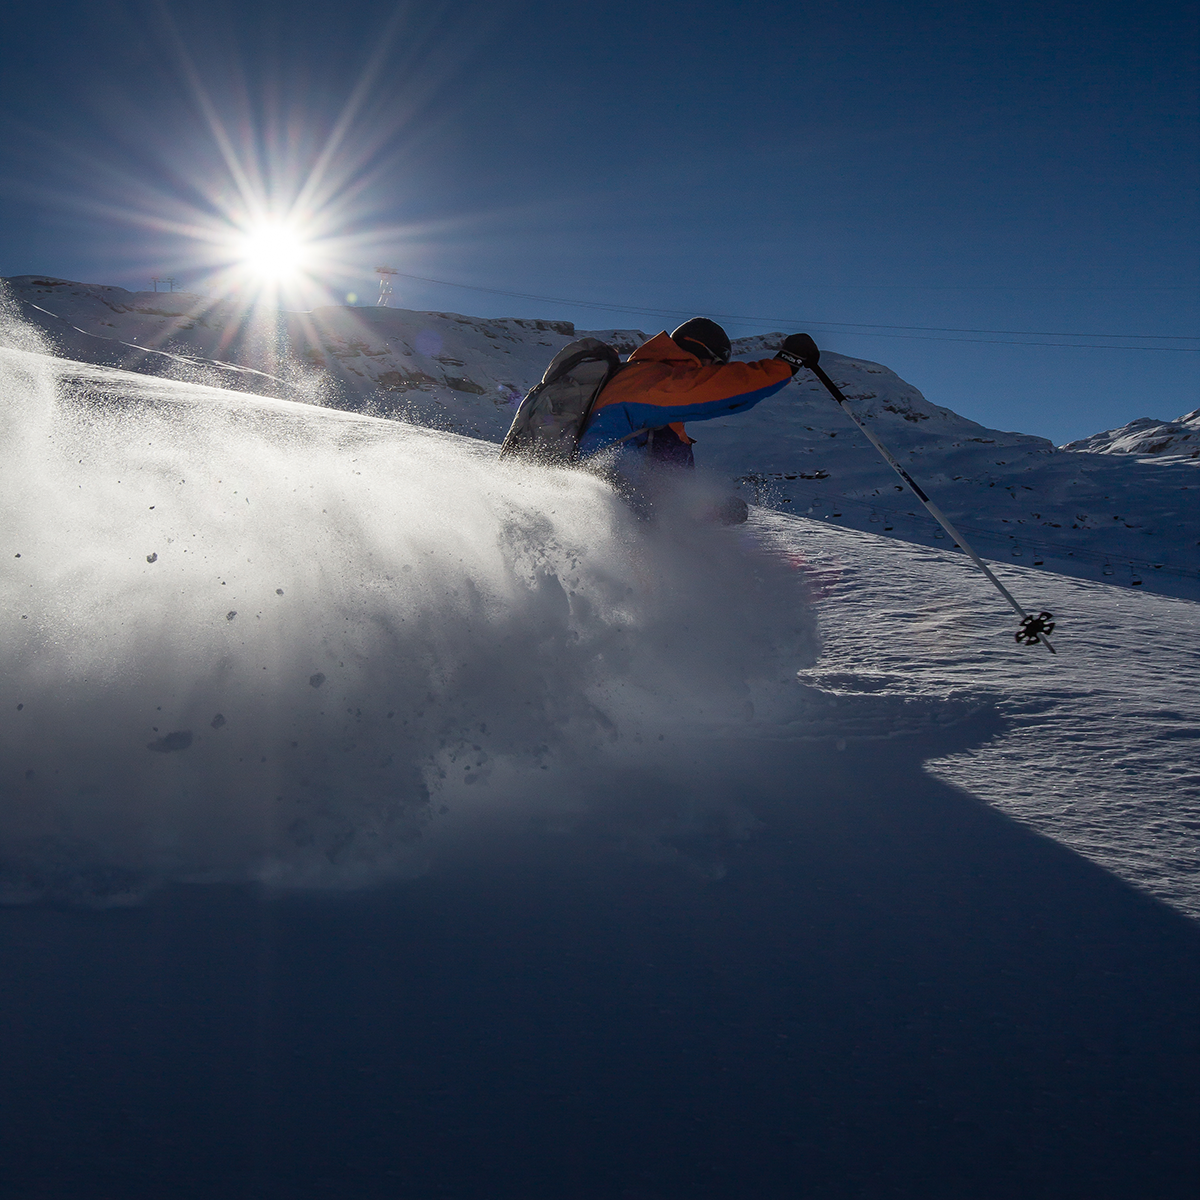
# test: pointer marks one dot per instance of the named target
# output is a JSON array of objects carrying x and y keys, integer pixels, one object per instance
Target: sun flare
[{"x": 273, "y": 252}]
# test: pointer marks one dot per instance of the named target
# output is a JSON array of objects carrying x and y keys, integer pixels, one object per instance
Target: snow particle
[
  {"x": 217, "y": 721},
  {"x": 316, "y": 680},
  {"x": 152, "y": 557},
  {"x": 231, "y": 614}
]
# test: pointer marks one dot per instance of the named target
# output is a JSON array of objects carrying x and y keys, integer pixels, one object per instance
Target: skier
[{"x": 678, "y": 377}]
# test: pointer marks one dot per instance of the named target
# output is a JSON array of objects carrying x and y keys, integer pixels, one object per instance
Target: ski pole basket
[{"x": 1033, "y": 628}]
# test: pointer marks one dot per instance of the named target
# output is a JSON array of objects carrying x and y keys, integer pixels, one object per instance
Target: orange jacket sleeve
[{"x": 662, "y": 385}]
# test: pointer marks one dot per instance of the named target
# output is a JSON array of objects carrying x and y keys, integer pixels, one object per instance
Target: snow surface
[
  {"x": 1119, "y": 507},
  {"x": 249, "y": 638},
  {"x": 1097, "y": 747}
]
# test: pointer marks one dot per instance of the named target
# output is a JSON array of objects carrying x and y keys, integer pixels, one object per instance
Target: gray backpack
[{"x": 550, "y": 420}]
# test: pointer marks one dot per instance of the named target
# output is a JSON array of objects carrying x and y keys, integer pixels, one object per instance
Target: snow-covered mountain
[
  {"x": 1118, "y": 507},
  {"x": 1145, "y": 436}
]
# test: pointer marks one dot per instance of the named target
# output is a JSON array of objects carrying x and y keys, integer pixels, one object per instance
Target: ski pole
[{"x": 1033, "y": 629}]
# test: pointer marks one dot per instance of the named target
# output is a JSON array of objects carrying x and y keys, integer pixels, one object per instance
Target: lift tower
[{"x": 385, "y": 286}]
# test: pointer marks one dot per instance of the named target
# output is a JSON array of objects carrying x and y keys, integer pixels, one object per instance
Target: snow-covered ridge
[
  {"x": 1118, "y": 507},
  {"x": 1147, "y": 435}
]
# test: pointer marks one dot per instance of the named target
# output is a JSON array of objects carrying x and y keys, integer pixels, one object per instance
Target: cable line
[{"x": 914, "y": 332}]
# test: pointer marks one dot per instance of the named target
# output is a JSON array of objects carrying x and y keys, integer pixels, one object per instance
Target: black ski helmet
[{"x": 703, "y": 338}]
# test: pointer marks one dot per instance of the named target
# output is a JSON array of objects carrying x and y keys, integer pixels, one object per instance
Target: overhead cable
[{"x": 853, "y": 329}]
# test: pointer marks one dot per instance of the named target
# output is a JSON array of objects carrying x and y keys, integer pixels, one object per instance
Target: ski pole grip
[{"x": 799, "y": 350}]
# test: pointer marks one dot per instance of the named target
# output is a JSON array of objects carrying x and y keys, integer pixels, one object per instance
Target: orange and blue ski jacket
[{"x": 665, "y": 385}]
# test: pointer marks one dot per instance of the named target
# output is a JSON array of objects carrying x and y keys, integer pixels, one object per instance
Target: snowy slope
[
  {"x": 250, "y": 638},
  {"x": 1117, "y": 508},
  {"x": 1125, "y": 520},
  {"x": 175, "y": 334},
  {"x": 463, "y": 374},
  {"x": 1097, "y": 747}
]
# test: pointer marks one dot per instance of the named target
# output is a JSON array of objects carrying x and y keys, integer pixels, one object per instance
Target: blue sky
[{"x": 882, "y": 175}]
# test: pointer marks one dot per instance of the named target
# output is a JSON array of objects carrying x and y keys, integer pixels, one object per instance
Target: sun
[{"x": 273, "y": 251}]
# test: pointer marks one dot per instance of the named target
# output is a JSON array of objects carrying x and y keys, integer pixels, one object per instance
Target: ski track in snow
[{"x": 1100, "y": 746}]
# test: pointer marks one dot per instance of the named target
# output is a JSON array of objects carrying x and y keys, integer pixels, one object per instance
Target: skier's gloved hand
[{"x": 799, "y": 350}]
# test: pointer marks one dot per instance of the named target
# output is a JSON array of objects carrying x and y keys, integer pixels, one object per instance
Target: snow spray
[{"x": 247, "y": 639}]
